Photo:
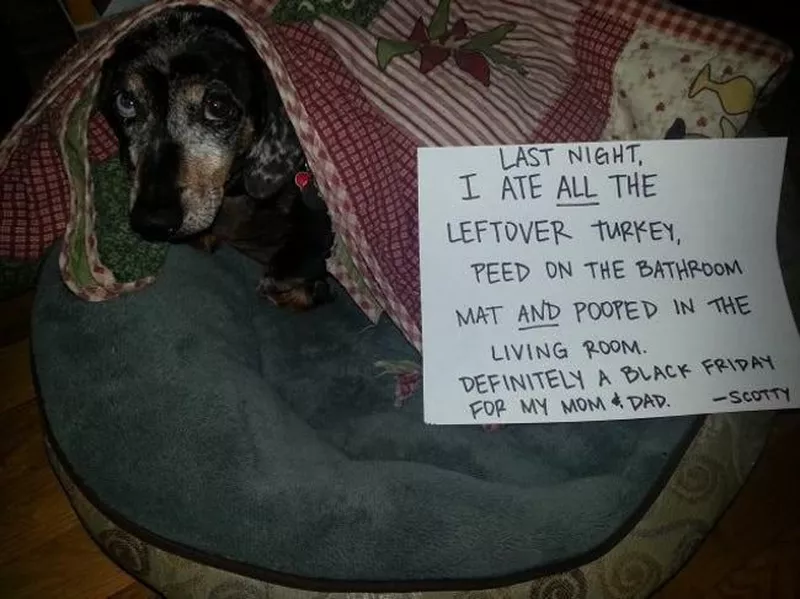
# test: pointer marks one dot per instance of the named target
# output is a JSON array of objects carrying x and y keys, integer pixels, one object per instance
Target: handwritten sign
[{"x": 603, "y": 281}]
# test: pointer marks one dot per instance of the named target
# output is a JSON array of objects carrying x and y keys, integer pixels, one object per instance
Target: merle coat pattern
[{"x": 210, "y": 149}]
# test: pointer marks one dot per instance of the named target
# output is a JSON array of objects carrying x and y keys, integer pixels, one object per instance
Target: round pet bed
[{"x": 218, "y": 446}]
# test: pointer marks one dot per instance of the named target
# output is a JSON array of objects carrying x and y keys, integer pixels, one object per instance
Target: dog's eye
[
  {"x": 126, "y": 105},
  {"x": 218, "y": 109}
]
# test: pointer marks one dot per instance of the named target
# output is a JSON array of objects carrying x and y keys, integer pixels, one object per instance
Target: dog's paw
[
  {"x": 208, "y": 242},
  {"x": 295, "y": 294},
  {"x": 321, "y": 292}
]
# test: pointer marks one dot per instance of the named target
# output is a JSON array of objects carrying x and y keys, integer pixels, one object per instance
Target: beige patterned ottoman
[{"x": 702, "y": 486}]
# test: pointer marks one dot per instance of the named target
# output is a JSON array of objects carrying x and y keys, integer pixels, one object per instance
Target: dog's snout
[
  {"x": 156, "y": 223},
  {"x": 157, "y": 214}
]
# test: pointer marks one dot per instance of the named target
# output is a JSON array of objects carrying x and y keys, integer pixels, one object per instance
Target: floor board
[
  {"x": 44, "y": 551},
  {"x": 754, "y": 525}
]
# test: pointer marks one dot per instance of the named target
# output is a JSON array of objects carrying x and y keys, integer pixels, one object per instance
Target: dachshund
[{"x": 211, "y": 152}]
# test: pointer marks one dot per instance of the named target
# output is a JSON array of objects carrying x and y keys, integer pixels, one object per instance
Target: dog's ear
[{"x": 275, "y": 154}]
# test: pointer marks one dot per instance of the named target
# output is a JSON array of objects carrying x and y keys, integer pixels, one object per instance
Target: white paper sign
[{"x": 603, "y": 281}]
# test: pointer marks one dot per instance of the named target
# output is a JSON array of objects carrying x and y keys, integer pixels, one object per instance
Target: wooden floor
[
  {"x": 44, "y": 552},
  {"x": 754, "y": 552}
]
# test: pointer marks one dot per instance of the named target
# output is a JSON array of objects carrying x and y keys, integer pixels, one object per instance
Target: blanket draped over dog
[{"x": 366, "y": 83}]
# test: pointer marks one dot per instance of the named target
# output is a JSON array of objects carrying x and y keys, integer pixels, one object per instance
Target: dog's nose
[{"x": 156, "y": 223}]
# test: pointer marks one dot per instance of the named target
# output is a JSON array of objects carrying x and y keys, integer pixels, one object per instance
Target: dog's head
[{"x": 194, "y": 108}]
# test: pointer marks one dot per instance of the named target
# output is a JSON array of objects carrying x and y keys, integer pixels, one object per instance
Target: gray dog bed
[{"x": 210, "y": 422}]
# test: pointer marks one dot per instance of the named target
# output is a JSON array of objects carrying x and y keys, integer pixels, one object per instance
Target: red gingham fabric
[
  {"x": 375, "y": 160},
  {"x": 582, "y": 111},
  {"x": 102, "y": 141},
  {"x": 684, "y": 24},
  {"x": 364, "y": 159},
  {"x": 33, "y": 186}
]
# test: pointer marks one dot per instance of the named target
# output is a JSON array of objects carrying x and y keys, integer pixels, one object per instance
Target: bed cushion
[
  {"x": 664, "y": 537},
  {"x": 220, "y": 423}
]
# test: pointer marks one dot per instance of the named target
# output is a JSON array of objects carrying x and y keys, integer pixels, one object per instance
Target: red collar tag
[{"x": 302, "y": 179}]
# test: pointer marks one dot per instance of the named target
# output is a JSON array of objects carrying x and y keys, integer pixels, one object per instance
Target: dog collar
[{"x": 302, "y": 179}]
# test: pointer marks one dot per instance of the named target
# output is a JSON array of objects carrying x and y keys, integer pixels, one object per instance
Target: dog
[{"x": 211, "y": 152}]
